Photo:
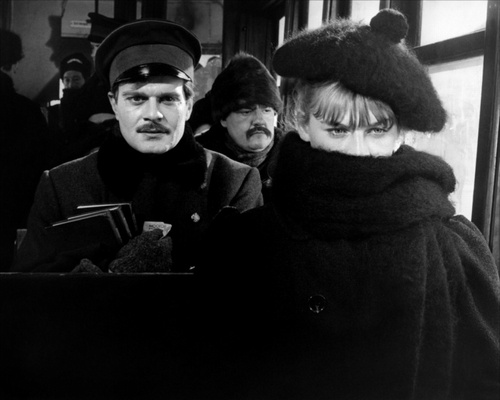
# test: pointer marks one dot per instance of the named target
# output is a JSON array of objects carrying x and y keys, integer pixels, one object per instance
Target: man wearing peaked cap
[
  {"x": 158, "y": 43},
  {"x": 245, "y": 103},
  {"x": 150, "y": 159}
]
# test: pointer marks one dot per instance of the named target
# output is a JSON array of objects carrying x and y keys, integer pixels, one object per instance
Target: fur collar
[
  {"x": 333, "y": 195},
  {"x": 122, "y": 168}
]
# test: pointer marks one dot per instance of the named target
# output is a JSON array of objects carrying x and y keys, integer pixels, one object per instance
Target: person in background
[
  {"x": 357, "y": 281},
  {"x": 95, "y": 106},
  {"x": 150, "y": 159},
  {"x": 74, "y": 71},
  {"x": 245, "y": 104},
  {"x": 23, "y": 154},
  {"x": 84, "y": 118},
  {"x": 201, "y": 118}
]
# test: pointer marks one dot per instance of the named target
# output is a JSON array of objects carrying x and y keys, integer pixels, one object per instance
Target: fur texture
[
  {"x": 369, "y": 60},
  {"x": 244, "y": 82},
  {"x": 388, "y": 193}
]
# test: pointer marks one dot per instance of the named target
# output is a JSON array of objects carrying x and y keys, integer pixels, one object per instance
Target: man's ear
[
  {"x": 223, "y": 123},
  {"x": 112, "y": 101},
  {"x": 189, "y": 105}
]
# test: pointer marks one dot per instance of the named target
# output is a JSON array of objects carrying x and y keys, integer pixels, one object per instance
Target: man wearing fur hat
[
  {"x": 245, "y": 104},
  {"x": 150, "y": 160}
]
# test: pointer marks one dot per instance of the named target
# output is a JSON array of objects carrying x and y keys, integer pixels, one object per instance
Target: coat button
[
  {"x": 317, "y": 303},
  {"x": 195, "y": 217}
]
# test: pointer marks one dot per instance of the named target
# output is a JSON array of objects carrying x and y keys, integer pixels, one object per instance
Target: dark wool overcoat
[
  {"x": 356, "y": 282},
  {"x": 184, "y": 187}
]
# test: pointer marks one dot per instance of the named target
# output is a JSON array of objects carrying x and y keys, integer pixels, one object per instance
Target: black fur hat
[
  {"x": 244, "y": 82},
  {"x": 369, "y": 60}
]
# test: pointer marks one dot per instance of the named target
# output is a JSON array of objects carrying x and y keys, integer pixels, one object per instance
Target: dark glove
[
  {"x": 87, "y": 266},
  {"x": 148, "y": 252}
]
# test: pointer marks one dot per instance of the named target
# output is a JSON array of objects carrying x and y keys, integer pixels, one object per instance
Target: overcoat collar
[{"x": 122, "y": 168}]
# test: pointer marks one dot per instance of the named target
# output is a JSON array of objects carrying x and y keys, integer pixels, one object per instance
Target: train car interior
[{"x": 63, "y": 335}]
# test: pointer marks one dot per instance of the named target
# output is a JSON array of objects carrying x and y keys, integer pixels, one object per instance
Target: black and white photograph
[{"x": 250, "y": 199}]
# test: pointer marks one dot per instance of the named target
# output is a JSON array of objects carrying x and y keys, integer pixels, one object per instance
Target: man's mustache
[
  {"x": 152, "y": 127},
  {"x": 258, "y": 129}
]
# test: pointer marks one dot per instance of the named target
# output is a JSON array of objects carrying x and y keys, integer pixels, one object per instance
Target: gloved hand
[
  {"x": 148, "y": 252},
  {"x": 87, "y": 266}
]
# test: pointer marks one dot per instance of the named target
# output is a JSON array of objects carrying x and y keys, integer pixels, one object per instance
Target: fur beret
[
  {"x": 244, "y": 82},
  {"x": 369, "y": 60}
]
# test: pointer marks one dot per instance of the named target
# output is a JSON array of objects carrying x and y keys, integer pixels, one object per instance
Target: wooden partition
[{"x": 73, "y": 336}]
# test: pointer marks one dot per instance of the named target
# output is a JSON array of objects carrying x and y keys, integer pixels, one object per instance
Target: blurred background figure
[
  {"x": 62, "y": 119},
  {"x": 23, "y": 151},
  {"x": 201, "y": 118},
  {"x": 80, "y": 123},
  {"x": 75, "y": 70},
  {"x": 95, "y": 105}
]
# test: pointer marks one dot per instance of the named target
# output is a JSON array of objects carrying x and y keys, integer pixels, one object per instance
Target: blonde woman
[{"x": 359, "y": 281}]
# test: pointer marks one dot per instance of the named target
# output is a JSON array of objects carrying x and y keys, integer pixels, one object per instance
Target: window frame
[{"x": 485, "y": 203}]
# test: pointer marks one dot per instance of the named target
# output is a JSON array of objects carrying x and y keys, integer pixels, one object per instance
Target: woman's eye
[
  {"x": 378, "y": 131},
  {"x": 337, "y": 132}
]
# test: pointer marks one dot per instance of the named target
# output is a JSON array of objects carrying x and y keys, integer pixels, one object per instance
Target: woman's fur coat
[{"x": 357, "y": 282}]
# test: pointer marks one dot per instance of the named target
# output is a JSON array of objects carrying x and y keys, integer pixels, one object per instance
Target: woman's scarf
[{"x": 334, "y": 195}]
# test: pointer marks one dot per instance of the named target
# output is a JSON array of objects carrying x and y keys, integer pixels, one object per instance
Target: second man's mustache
[{"x": 258, "y": 129}]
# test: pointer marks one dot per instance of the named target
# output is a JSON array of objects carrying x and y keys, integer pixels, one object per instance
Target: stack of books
[{"x": 111, "y": 224}]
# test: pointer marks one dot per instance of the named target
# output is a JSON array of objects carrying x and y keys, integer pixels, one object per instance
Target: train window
[
  {"x": 315, "y": 14},
  {"x": 364, "y": 10},
  {"x": 204, "y": 18},
  {"x": 459, "y": 85},
  {"x": 462, "y": 17}
]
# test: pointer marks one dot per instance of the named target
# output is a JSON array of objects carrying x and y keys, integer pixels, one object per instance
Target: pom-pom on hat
[
  {"x": 369, "y": 60},
  {"x": 244, "y": 82},
  {"x": 148, "y": 47},
  {"x": 75, "y": 62}
]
